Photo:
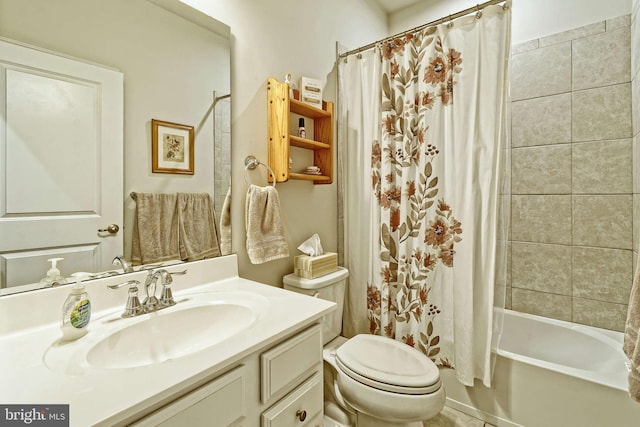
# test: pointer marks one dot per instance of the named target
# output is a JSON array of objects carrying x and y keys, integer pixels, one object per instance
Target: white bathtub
[{"x": 551, "y": 373}]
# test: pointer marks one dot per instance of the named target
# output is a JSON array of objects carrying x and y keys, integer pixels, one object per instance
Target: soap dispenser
[
  {"x": 76, "y": 311},
  {"x": 53, "y": 277}
]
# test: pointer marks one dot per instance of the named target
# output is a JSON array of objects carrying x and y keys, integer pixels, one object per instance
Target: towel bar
[{"x": 250, "y": 163}]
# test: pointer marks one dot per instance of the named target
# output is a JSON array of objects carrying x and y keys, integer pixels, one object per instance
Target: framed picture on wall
[{"x": 171, "y": 148}]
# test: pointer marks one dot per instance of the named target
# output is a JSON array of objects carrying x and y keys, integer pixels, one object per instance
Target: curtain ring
[
  {"x": 450, "y": 24},
  {"x": 505, "y": 6},
  {"x": 478, "y": 12},
  {"x": 359, "y": 56}
]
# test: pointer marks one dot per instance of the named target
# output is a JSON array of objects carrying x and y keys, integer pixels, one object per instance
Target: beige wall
[{"x": 272, "y": 38}]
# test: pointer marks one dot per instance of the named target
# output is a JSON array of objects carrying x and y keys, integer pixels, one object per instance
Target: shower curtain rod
[
  {"x": 219, "y": 98},
  {"x": 476, "y": 8}
]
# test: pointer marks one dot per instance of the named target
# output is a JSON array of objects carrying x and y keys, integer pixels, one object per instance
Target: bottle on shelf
[{"x": 302, "y": 133}]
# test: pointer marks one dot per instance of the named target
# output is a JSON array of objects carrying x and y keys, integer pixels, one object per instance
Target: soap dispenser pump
[
  {"x": 76, "y": 311},
  {"x": 53, "y": 277}
]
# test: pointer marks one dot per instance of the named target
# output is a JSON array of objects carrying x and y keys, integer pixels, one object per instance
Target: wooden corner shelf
[{"x": 279, "y": 109}]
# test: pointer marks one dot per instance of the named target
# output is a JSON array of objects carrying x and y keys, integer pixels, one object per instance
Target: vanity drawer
[
  {"x": 288, "y": 363},
  {"x": 220, "y": 402},
  {"x": 302, "y": 407}
]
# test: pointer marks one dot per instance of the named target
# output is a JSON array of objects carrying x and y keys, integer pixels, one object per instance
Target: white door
[{"x": 61, "y": 164}]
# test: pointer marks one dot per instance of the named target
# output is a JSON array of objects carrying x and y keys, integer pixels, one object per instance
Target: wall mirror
[{"x": 173, "y": 63}]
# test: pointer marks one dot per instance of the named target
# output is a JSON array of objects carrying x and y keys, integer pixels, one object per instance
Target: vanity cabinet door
[
  {"x": 287, "y": 364},
  {"x": 218, "y": 403}
]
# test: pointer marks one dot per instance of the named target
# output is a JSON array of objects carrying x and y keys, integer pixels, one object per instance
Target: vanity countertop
[{"x": 106, "y": 397}]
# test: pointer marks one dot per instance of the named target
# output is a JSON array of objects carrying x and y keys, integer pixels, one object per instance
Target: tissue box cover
[
  {"x": 311, "y": 91},
  {"x": 310, "y": 267}
]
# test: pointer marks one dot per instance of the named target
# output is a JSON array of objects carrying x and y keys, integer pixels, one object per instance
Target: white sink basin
[
  {"x": 165, "y": 336},
  {"x": 197, "y": 322}
]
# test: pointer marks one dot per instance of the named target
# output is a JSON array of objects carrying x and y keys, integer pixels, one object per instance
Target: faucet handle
[
  {"x": 133, "y": 306},
  {"x": 166, "y": 298},
  {"x": 131, "y": 283}
]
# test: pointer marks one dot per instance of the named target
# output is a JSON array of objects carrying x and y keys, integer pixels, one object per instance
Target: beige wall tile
[
  {"x": 635, "y": 102},
  {"x": 620, "y": 21},
  {"x": 502, "y": 263},
  {"x": 602, "y": 113},
  {"x": 507, "y": 301},
  {"x": 636, "y": 164},
  {"x": 542, "y": 170},
  {"x": 602, "y": 167},
  {"x": 603, "y": 221},
  {"x": 601, "y": 60},
  {"x": 524, "y": 46},
  {"x": 573, "y": 34},
  {"x": 509, "y": 264},
  {"x": 541, "y": 121},
  {"x": 541, "y": 219},
  {"x": 505, "y": 178},
  {"x": 541, "y": 267},
  {"x": 504, "y": 217},
  {"x": 635, "y": 42},
  {"x": 602, "y": 274},
  {"x": 541, "y": 303},
  {"x": 599, "y": 314},
  {"x": 636, "y": 222},
  {"x": 533, "y": 77}
]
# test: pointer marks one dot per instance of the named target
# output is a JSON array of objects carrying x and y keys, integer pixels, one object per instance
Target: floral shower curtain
[{"x": 433, "y": 191}]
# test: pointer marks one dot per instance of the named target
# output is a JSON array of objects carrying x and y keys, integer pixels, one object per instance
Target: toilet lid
[{"x": 387, "y": 364}]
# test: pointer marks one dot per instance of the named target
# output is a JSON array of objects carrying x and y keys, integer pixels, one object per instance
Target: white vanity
[{"x": 230, "y": 352}]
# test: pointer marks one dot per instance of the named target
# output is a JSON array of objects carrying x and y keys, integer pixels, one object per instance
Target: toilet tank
[{"x": 330, "y": 287}]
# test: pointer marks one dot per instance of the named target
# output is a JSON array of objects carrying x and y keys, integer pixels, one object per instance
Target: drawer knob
[{"x": 302, "y": 415}]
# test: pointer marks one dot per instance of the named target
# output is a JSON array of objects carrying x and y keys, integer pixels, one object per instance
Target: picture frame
[{"x": 171, "y": 148}]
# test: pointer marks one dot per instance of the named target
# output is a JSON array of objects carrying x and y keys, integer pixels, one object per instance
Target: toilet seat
[{"x": 388, "y": 365}]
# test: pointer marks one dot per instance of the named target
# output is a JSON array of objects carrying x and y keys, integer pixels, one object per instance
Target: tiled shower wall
[
  {"x": 572, "y": 182},
  {"x": 635, "y": 99},
  {"x": 221, "y": 152}
]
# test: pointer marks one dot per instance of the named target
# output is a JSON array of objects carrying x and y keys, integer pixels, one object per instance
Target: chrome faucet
[
  {"x": 126, "y": 265},
  {"x": 151, "y": 303}
]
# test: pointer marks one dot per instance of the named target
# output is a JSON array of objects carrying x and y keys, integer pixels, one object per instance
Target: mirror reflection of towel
[
  {"x": 155, "y": 229},
  {"x": 196, "y": 227},
  {"x": 265, "y": 233},
  {"x": 173, "y": 226}
]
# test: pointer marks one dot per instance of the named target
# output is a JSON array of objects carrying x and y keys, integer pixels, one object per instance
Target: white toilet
[{"x": 370, "y": 380}]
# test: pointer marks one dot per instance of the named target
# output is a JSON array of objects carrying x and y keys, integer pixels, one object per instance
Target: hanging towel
[
  {"x": 155, "y": 229},
  {"x": 197, "y": 231},
  {"x": 265, "y": 233},
  {"x": 225, "y": 224},
  {"x": 631, "y": 344}
]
